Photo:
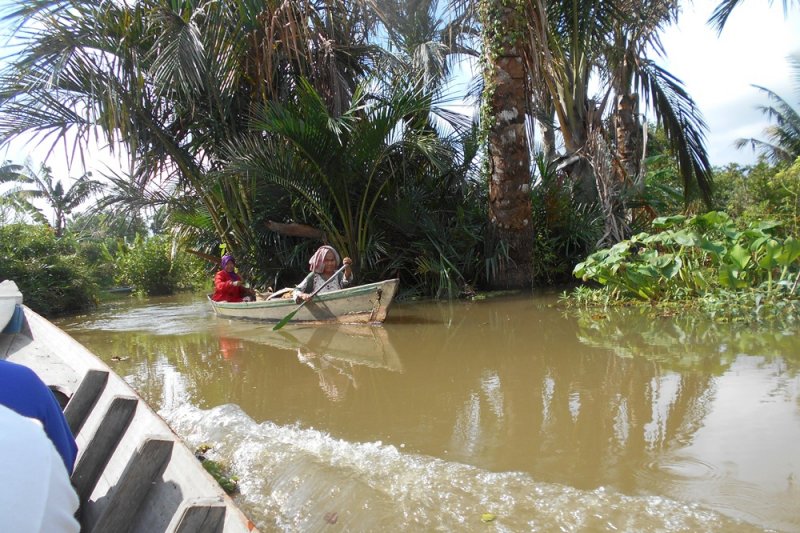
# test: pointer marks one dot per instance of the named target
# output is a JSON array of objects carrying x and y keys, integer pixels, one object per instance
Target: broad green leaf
[
  {"x": 712, "y": 218},
  {"x": 728, "y": 277},
  {"x": 740, "y": 257},
  {"x": 789, "y": 252},
  {"x": 699, "y": 281},
  {"x": 766, "y": 225},
  {"x": 685, "y": 237},
  {"x": 672, "y": 268},
  {"x": 713, "y": 247},
  {"x": 770, "y": 250},
  {"x": 668, "y": 222}
]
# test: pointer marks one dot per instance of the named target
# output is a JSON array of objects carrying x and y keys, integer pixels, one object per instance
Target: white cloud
[{"x": 719, "y": 71}]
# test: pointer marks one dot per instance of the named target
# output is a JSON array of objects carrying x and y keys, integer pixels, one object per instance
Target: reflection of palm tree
[{"x": 586, "y": 418}]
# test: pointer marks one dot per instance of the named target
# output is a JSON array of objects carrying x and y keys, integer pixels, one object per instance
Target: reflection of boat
[
  {"x": 353, "y": 305},
  {"x": 352, "y": 343},
  {"x": 133, "y": 473}
]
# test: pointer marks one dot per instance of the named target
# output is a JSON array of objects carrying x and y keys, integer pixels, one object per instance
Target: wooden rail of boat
[{"x": 133, "y": 474}]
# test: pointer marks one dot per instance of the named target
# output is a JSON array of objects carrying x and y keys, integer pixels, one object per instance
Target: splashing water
[{"x": 301, "y": 479}]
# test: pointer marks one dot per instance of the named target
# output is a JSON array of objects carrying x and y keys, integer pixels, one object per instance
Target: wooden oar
[{"x": 288, "y": 317}]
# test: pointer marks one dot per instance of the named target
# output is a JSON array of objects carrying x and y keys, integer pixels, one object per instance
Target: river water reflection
[{"x": 509, "y": 411}]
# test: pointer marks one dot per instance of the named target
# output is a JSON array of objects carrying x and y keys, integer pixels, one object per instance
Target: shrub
[
  {"x": 52, "y": 277},
  {"x": 153, "y": 267}
]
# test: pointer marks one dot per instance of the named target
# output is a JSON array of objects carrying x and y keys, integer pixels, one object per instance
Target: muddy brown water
[{"x": 500, "y": 415}]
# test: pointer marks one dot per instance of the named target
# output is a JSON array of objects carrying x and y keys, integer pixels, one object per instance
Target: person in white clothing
[
  {"x": 35, "y": 491},
  {"x": 322, "y": 265}
]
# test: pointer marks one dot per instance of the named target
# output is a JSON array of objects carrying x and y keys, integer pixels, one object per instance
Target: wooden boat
[
  {"x": 354, "y": 305},
  {"x": 133, "y": 474},
  {"x": 10, "y": 297}
]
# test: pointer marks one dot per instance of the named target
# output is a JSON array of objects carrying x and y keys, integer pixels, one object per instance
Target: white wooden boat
[
  {"x": 9, "y": 298},
  {"x": 133, "y": 473},
  {"x": 354, "y": 305}
]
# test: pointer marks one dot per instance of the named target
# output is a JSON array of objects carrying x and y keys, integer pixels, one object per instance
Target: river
[{"x": 507, "y": 414}]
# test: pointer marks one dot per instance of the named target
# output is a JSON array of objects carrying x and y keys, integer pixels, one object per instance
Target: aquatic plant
[{"x": 729, "y": 271}]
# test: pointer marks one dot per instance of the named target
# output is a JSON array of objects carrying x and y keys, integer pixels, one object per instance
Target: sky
[{"x": 718, "y": 71}]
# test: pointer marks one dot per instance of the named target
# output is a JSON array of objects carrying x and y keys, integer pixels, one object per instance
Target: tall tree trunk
[
  {"x": 509, "y": 157},
  {"x": 628, "y": 136}
]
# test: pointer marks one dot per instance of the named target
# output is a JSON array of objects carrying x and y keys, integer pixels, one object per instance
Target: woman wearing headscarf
[
  {"x": 228, "y": 285},
  {"x": 322, "y": 265}
]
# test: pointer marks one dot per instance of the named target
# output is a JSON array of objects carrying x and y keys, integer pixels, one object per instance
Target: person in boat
[
  {"x": 22, "y": 391},
  {"x": 322, "y": 265},
  {"x": 228, "y": 285},
  {"x": 35, "y": 491}
]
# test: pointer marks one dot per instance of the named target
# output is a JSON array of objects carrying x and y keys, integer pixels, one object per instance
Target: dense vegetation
[
  {"x": 742, "y": 268},
  {"x": 266, "y": 129}
]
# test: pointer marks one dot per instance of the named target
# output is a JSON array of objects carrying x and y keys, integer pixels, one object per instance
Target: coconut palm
[
  {"x": 31, "y": 185},
  {"x": 783, "y": 137},
  {"x": 171, "y": 82},
  {"x": 725, "y": 8}
]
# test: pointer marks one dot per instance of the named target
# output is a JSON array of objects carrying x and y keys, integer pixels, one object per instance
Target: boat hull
[
  {"x": 121, "y": 441},
  {"x": 354, "y": 305}
]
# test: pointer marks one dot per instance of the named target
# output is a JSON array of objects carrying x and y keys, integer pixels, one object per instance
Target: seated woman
[
  {"x": 322, "y": 265},
  {"x": 228, "y": 285}
]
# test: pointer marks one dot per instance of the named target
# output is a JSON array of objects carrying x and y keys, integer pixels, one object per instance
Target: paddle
[{"x": 288, "y": 317}]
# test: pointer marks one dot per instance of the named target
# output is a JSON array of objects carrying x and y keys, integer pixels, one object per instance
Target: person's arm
[
  {"x": 347, "y": 275},
  {"x": 223, "y": 281},
  {"x": 23, "y": 391},
  {"x": 304, "y": 288}
]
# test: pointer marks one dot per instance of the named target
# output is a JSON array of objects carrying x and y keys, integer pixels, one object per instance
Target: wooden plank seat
[
  {"x": 143, "y": 469},
  {"x": 201, "y": 516},
  {"x": 84, "y": 399},
  {"x": 97, "y": 454},
  {"x": 133, "y": 474}
]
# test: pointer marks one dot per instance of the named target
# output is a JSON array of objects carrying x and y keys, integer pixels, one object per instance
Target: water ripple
[{"x": 301, "y": 479}]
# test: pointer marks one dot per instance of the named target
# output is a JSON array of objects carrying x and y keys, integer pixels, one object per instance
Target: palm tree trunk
[
  {"x": 508, "y": 154},
  {"x": 629, "y": 137}
]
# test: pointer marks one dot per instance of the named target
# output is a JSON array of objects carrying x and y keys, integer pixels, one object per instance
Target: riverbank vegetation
[{"x": 267, "y": 129}]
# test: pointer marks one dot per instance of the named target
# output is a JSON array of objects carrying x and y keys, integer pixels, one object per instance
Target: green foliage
[
  {"x": 228, "y": 482},
  {"x": 704, "y": 256},
  {"x": 154, "y": 267},
  {"x": 565, "y": 230},
  {"x": 52, "y": 277},
  {"x": 99, "y": 236},
  {"x": 762, "y": 191}
]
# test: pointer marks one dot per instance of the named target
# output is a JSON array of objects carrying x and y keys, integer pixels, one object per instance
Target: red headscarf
[{"x": 317, "y": 261}]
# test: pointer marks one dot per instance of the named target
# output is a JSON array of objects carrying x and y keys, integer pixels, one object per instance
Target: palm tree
[
  {"x": 783, "y": 137},
  {"x": 60, "y": 200},
  {"x": 508, "y": 153},
  {"x": 172, "y": 82},
  {"x": 725, "y": 8},
  {"x": 337, "y": 169}
]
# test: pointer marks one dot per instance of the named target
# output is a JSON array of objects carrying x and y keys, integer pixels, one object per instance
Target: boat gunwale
[{"x": 357, "y": 290}]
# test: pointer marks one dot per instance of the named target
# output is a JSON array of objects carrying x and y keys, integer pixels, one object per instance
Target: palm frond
[{"x": 683, "y": 124}]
